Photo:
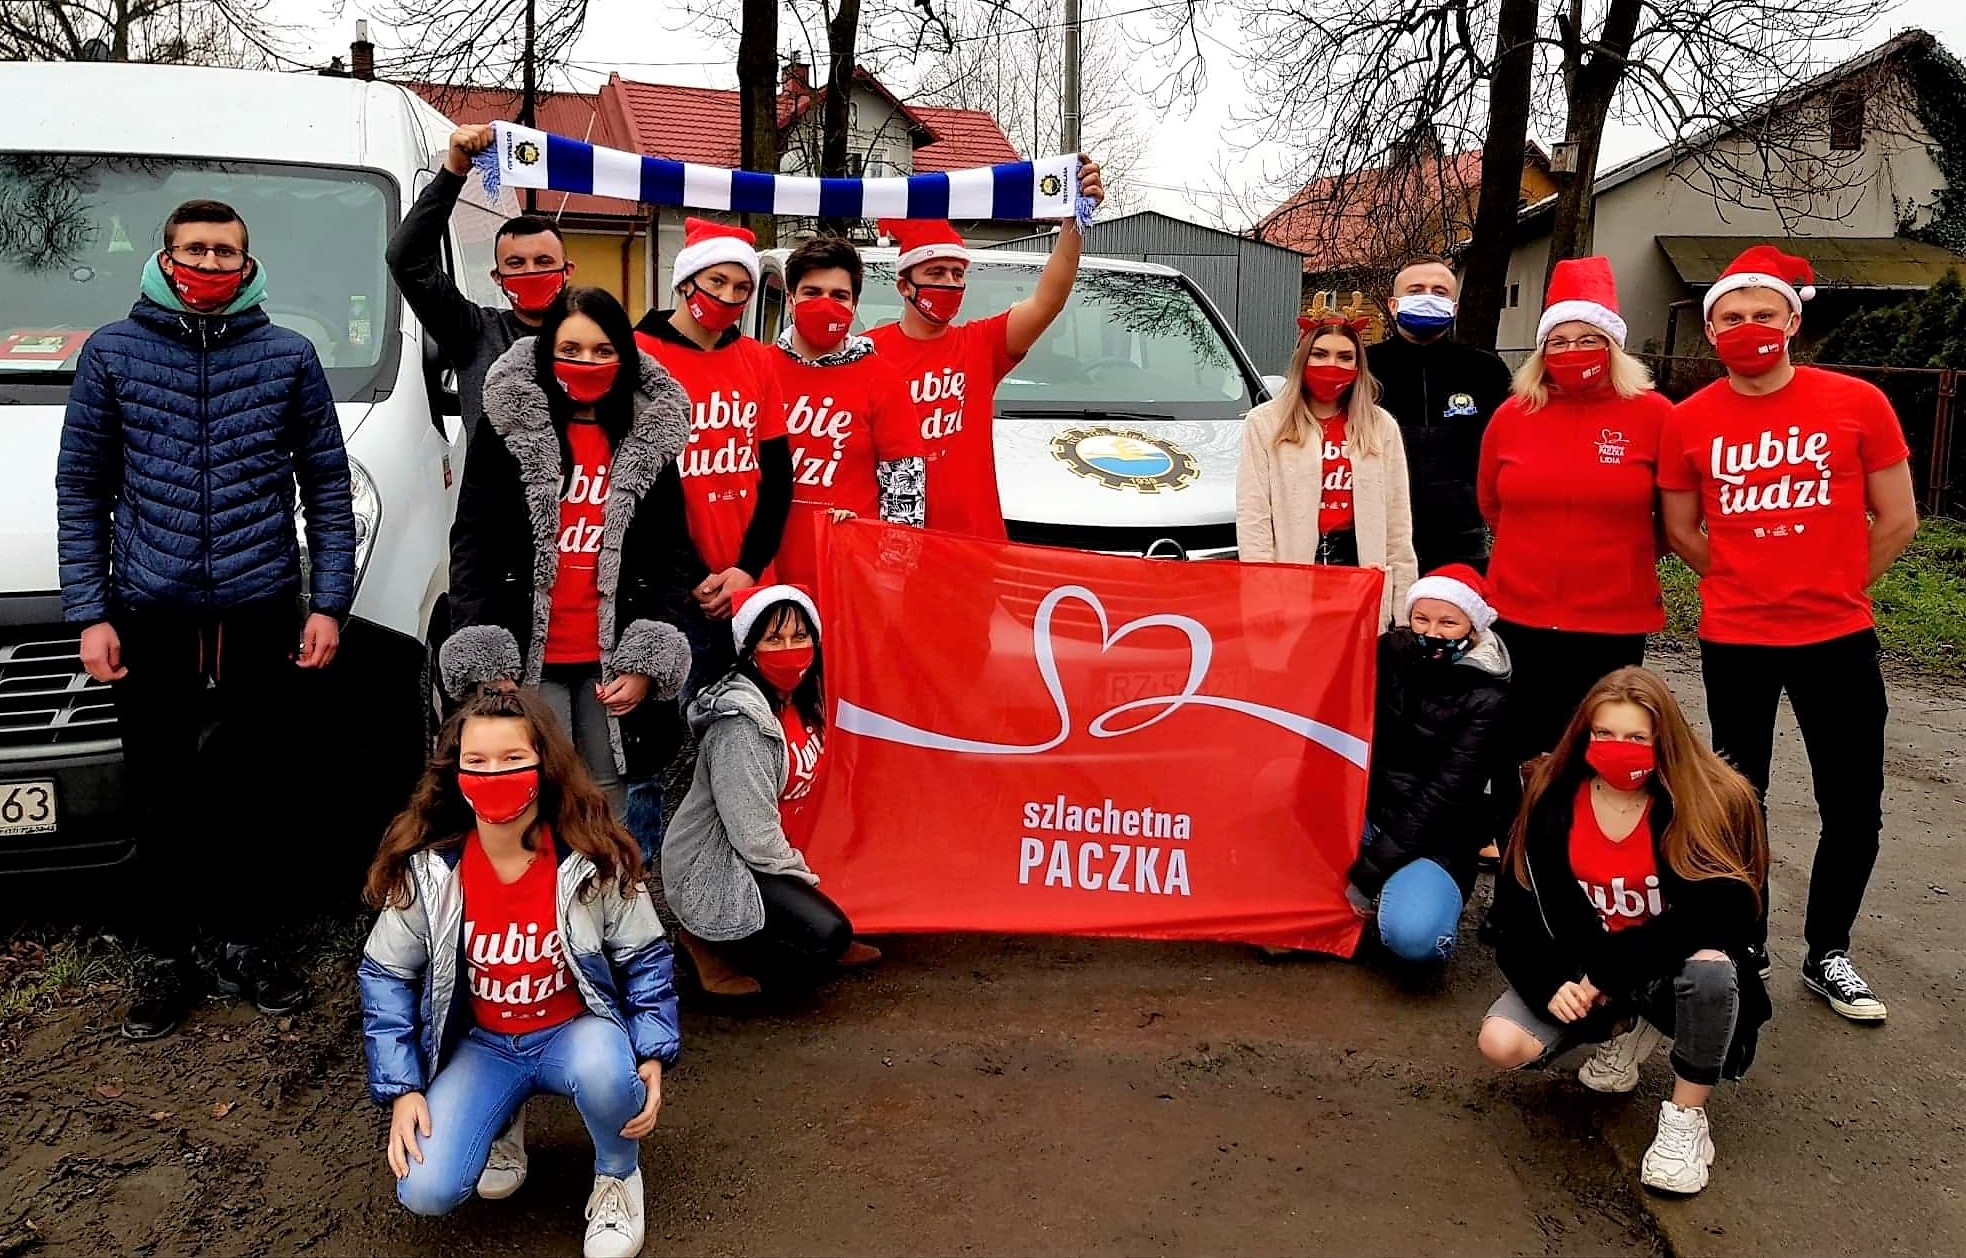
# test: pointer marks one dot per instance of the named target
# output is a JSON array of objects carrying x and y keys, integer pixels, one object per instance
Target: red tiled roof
[
  {"x": 964, "y": 138},
  {"x": 574, "y": 114},
  {"x": 1332, "y": 236}
]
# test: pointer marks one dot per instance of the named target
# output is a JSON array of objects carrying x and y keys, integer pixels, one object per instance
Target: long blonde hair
[
  {"x": 1629, "y": 377},
  {"x": 1716, "y": 829},
  {"x": 1364, "y": 421}
]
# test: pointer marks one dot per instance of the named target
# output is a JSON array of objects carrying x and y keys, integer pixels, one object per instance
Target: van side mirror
[{"x": 439, "y": 383}]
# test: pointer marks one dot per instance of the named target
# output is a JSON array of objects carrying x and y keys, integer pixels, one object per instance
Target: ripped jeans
[{"x": 1697, "y": 1007}]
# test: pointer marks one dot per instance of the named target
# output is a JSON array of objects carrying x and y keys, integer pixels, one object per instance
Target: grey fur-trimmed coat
[{"x": 505, "y": 544}]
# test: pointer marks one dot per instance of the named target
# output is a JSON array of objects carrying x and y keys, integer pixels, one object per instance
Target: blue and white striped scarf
[{"x": 521, "y": 157}]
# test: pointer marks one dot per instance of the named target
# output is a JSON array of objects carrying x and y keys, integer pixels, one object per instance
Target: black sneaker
[
  {"x": 1760, "y": 962},
  {"x": 161, "y": 993},
  {"x": 270, "y": 983},
  {"x": 1836, "y": 980}
]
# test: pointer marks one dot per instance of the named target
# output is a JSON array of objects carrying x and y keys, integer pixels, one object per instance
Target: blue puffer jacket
[
  {"x": 184, "y": 438},
  {"x": 416, "y": 993}
]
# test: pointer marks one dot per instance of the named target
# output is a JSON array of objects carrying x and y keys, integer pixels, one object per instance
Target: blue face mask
[{"x": 1424, "y": 314}]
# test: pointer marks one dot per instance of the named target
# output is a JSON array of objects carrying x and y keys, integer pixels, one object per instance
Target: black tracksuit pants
[{"x": 1837, "y": 691}]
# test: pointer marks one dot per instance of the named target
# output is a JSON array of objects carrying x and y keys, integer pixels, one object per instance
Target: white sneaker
[
  {"x": 614, "y": 1217},
  {"x": 1614, "y": 1066},
  {"x": 505, "y": 1168},
  {"x": 1681, "y": 1153}
]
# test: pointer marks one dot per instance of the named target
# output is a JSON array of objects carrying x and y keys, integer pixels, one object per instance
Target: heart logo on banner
[{"x": 855, "y": 719}]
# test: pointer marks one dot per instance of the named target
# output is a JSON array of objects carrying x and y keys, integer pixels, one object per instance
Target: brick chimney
[{"x": 361, "y": 53}]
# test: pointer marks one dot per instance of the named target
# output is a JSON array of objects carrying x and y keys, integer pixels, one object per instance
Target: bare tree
[
  {"x": 195, "y": 32},
  {"x": 470, "y": 43},
  {"x": 757, "y": 101}
]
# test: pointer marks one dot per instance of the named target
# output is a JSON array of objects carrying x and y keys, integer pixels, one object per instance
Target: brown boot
[
  {"x": 715, "y": 975},
  {"x": 858, "y": 954}
]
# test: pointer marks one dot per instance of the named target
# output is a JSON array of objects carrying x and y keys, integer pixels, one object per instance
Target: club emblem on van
[
  {"x": 1125, "y": 459},
  {"x": 526, "y": 153}
]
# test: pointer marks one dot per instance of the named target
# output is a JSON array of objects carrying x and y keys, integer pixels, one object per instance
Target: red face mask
[
  {"x": 1752, "y": 349},
  {"x": 713, "y": 312},
  {"x": 822, "y": 321},
  {"x": 534, "y": 291},
  {"x": 1579, "y": 370},
  {"x": 1624, "y": 766},
  {"x": 1327, "y": 382},
  {"x": 206, "y": 290},
  {"x": 939, "y": 303},
  {"x": 585, "y": 383},
  {"x": 501, "y": 796},
  {"x": 784, "y": 670}
]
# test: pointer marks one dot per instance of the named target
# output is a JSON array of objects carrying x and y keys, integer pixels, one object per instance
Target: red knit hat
[
  {"x": 1458, "y": 584},
  {"x": 705, "y": 244},
  {"x": 1765, "y": 266},
  {"x": 923, "y": 240},
  {"x": 1583, "y": 290}
]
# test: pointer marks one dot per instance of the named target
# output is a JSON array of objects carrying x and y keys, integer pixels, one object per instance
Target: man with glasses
[
  {"x": 191, "y": 428},
  {"x": 531, "y": 268},
  {"x": 1442, "y": 392}
]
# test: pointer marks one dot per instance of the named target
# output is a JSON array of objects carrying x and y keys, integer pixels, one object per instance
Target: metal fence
[{"x": 1925, "y": 398}]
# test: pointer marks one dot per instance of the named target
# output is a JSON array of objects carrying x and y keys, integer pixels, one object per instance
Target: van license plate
[{"x": 27, "y": 808}]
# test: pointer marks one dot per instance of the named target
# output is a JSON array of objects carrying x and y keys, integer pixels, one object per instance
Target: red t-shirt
[
  {"x": 1621, "y": 877},
  {"x": 842, "y": 421},
  {"x": 573, "y": 634},
  {"x": 514, "y": 958},
  {"x": 1571, "y": 491},
  {"x": 953, "y": 380},
  {"x": 1335, "y": 513},
  {"x": 804, "y": 751},
  {"x": 734, "y": 407},
  {"x": 1781, "y": 484}
]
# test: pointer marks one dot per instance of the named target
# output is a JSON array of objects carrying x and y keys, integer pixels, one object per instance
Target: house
[
  {"x": 629, "y": 248},
  {"x": 1845, "y": 169},
  {"x": 607, "y": 240},
  {"x": 1254, "y": 284},
  {"x": 1352, "y": 230}
]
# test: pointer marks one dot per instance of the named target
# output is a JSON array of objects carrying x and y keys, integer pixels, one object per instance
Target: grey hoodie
[{"x": 728, "y": 826}]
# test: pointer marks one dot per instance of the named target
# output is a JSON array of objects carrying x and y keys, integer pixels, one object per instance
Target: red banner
[{"x": 1044, "y": 741}]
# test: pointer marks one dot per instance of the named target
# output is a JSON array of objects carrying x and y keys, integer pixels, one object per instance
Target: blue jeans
[
  {"x": 643, "y": 816},
  {"x": 1419, "y": 912},
  {"x": 475, "y": 1095}
]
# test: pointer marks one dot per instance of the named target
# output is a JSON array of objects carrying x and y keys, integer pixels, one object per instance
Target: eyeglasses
[
  {"x": 225, "y": 255},
  {"x": 1558, "y": 345}
]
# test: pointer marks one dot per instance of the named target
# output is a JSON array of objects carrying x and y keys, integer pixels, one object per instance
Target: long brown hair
[
  {"x": 1364, "y": 425},
  {"x": 1716, "y": 829},
  {"x": 570, "y": 805}
]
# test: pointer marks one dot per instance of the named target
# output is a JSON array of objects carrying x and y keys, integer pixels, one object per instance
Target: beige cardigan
[{"x": 1278, "y": 488}]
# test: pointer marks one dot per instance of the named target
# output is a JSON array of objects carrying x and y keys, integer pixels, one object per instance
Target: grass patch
[
  {"x": 1921, "y": 602},
  {"x": 39, "y": 972}
]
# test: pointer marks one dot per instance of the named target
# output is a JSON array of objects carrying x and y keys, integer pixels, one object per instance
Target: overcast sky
[{"x": 653, "y": 42}]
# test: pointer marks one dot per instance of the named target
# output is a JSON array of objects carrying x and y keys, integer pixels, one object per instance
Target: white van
[
  {"x": 92, "y": 159},
  {"x": 1120, "y": 430}
]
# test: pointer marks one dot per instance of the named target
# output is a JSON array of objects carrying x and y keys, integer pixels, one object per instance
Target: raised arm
[
  {"x": 1030, "y": 317},
  {"x": 416, "y": 251}
]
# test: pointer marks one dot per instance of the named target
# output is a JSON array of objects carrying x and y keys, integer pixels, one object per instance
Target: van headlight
[{"x": 368, "y": 523}]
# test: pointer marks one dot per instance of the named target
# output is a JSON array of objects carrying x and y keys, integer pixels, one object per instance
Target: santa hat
[
  {"x": 1583, "y": 290},
  {"x": 923, "y": 240},
  {"x": 1765, "y": 266},
  {"x": 748, "y": 605},
  {"x": 705, "y": 244},
  {"x": 1458, "y": 584}
]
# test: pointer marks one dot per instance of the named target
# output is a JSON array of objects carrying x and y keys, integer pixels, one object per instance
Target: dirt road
[{"x": 1047, "y": 1096}]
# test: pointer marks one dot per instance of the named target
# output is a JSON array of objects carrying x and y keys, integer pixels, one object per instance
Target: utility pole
[
  {"x": 528, "y": 100},
  {"x": 1069, "y": 124}
]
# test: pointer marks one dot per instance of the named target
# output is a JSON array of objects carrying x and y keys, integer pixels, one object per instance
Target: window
[
  {"x": 1515, "y": 296},
  {"x": 1846, "y": 120},
  {"x": 76, "y": 231},
  {"x": 856, "y": 165}
]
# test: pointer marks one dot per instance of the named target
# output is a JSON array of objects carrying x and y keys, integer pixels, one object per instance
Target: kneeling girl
[
  {"x": 516, "y": 953},
  {"x": 1627, "y": 908}
]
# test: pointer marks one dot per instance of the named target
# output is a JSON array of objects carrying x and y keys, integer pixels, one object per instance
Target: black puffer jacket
[
  {"x": 1549, "y": 933},
  {"x": 1433, "y": 748},
  {"x": 1443, "y": 394}
]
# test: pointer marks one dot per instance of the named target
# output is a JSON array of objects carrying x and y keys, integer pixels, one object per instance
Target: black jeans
[
  {"x": 1837, "y": 691},
  {"x": 1553, "y": 669},
  {"x": 804, "y": 931},
  {"x": 210, "y": 808}
]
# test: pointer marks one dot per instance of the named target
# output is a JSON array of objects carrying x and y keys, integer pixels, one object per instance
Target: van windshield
[
  {"x": 1126, "y": 341},
  {"x": 77, "y": 229}
]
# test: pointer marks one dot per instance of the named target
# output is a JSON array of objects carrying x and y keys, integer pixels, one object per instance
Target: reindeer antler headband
[{"x": 1326, "y": 313}]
